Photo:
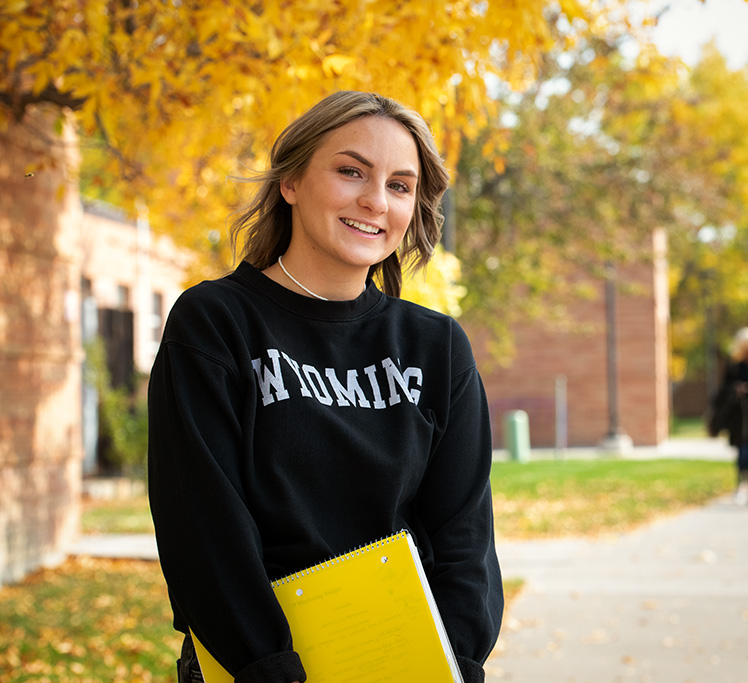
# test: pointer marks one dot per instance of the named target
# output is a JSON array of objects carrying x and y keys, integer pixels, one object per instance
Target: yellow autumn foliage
[
  {"x": 172, "y": 98},
  {"x": 437, "y": 286}
]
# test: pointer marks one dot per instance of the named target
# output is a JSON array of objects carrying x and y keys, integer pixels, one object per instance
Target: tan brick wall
[
  {"x": 642, "y": 327},
  {"x": 122, "y": 253},
  {"x": 40, "y": 351}
]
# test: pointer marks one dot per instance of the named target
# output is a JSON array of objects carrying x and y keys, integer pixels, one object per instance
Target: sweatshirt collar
[{"x": 306, "y": 306}]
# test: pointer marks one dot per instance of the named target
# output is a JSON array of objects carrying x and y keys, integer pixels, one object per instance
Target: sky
[{"x": 689, "y": 24}]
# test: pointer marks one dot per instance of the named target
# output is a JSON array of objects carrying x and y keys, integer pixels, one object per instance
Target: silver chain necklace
[{"x": 306, "y": 289}]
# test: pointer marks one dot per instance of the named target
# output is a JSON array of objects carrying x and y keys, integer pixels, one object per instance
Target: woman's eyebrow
[{"x": 368, "y": 164}]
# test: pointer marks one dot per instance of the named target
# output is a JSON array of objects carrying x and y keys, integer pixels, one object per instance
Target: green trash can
[{"x": 517, "y": 435}]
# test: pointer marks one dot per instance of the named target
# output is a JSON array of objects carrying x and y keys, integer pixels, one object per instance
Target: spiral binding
[{"x": 326, "y": 564}]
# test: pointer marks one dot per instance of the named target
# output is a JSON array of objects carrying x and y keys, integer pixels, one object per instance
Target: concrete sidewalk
[
  {"x": 689, "y": 449},
  {"x": 117, "y": 546},
  {"x": 667, "y": 603}
]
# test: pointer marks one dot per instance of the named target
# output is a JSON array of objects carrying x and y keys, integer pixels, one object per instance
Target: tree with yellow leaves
[
  {"x": 605, "y": 146},
  {"x": 174, "y": 97}
]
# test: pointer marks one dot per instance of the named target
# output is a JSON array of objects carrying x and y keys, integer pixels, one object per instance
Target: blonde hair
[
  {"x": 265, "y": 223},
  {"x": 739, "y": 349}
]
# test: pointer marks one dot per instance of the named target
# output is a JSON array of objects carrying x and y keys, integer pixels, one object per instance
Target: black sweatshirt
[{"x": 285, "y": 430}]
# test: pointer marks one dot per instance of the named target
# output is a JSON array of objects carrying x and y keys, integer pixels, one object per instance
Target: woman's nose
[{"x": 374, "y": 198}]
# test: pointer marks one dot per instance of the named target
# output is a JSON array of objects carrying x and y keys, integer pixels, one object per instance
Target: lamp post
[
  {"x": 616, "y": 440},
  {"x": 449, "y": 229},
  {"x": 708, "y": 281}
]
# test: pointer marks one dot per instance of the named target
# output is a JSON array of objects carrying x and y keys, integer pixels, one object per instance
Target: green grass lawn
[
  {"x": 120, "y": 516},
  {"x": 688, "y": 427},
  {"x": 544, "y": 499},
  {"x": 92, "y": 621}
]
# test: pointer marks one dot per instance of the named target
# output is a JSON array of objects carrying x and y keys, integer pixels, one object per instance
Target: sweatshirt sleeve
[
  {"x": 456, "y": 510},
  {"x": 209, "y": 545}
]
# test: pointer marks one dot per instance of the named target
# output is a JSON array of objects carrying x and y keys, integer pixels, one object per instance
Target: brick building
[
  {"x": 62, "y": 265},
  {"x": 129, "y": 280},
  {"x": 580, "y": 362}
]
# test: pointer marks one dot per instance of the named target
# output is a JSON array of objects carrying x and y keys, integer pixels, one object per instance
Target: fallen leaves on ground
[{"x": 88, "y": 621}]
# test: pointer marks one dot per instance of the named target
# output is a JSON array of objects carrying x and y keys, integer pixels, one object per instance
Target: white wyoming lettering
[{"x": 384, "y": 384}]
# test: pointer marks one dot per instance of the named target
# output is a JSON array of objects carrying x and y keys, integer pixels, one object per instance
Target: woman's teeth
[{"x": 363, "y": 227}]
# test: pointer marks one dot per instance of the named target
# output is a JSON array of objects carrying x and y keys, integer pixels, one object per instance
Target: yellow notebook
[{"x": 366, "y": 616}]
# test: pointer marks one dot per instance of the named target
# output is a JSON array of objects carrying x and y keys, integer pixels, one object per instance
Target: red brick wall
[
  {"x": 543, "y": 354},
  {"x": 40, "y": 351}
]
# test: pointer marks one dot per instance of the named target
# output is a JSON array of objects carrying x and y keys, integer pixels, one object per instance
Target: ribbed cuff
[
  {"x": 472, "y": 671},
  {"x": 283, "y": 667}
]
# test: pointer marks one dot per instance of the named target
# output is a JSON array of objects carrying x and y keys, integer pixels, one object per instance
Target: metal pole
[
  {"x": 449, "y": 236},
  {"x": 611, "y": 348},
  {"x": 562, "y": 412},
  {"x": 710, "y": 365},
  {"x": 616, "y": 440}
]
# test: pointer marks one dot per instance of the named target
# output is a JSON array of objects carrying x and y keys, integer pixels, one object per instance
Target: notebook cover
[{"x": 366, "y": 616}]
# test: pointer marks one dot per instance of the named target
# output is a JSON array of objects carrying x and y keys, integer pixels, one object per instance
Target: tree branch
[{"x": 17, "y": 102}]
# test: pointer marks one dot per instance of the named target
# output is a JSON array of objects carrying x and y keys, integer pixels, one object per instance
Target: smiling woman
[
  {"x": 265, "y": 227},
  {"x": 297, "y": 411}
]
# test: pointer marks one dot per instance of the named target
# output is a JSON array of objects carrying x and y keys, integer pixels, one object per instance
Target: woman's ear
[{"x": 288, "y": 190}]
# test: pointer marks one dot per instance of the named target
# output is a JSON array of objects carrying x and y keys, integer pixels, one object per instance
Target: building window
[{"x": 123, "y": 297}]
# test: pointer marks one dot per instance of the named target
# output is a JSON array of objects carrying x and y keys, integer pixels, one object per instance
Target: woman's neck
[{"x": 325, "y": 289}]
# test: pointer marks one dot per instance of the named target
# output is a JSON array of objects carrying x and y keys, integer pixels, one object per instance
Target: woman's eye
[
  {"x": 400, "y": 186},
  {"x": 349, "y": 171}
]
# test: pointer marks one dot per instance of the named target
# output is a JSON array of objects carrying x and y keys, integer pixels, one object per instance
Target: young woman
[{"x": 296, "y": 411}]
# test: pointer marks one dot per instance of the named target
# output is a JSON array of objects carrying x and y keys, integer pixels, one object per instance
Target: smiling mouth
[{"x": 363, "y": 227}]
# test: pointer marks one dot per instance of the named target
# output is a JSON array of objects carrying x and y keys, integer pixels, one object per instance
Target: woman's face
[{"x": 353, "y": 204}]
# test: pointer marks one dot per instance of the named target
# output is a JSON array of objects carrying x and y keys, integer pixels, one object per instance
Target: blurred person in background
[{"x": 729, "y": 409}]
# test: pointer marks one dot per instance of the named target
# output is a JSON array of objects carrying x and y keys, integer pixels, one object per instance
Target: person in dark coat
[{"x": 730, "y": 410}]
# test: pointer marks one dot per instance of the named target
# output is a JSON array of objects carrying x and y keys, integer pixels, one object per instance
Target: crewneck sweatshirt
[{"x": 285, "y": 430}]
